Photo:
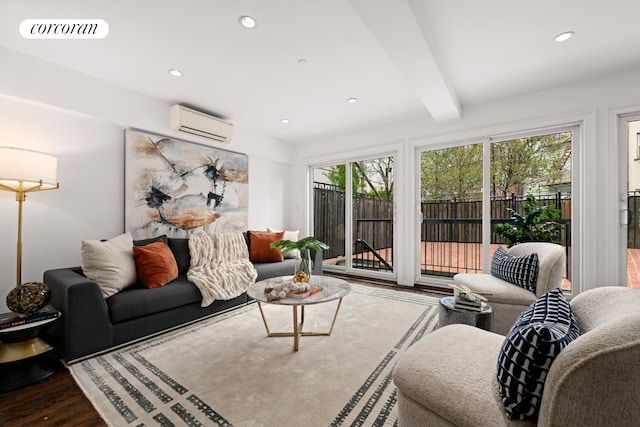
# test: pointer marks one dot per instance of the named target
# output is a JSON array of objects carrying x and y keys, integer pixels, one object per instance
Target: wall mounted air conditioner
[{"x": 198, "y": 123}]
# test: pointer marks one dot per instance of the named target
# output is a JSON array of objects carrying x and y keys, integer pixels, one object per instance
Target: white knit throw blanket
[{"x": 220, "y": 265}]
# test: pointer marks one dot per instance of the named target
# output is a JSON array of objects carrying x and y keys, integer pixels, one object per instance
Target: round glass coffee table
[{"x": 331, "y": 289}]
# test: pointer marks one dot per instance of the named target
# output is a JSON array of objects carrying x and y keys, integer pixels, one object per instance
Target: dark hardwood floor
[
  {"x": 54, "y": 401},
  {"x": 57, "y": 400}
]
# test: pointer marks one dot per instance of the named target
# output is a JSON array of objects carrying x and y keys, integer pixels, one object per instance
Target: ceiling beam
[{"x": 399, "y": 26}]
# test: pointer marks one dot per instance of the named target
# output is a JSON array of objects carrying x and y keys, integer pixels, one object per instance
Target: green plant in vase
[
  {"x": 536, "y": 225},
  {"x": 303, "y": 245}
]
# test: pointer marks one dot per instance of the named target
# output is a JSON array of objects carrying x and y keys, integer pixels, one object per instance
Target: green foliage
[
  {"x": 309, "y": 242},
  {"x": 521, "y": 164},
  {"x": 450, "y": 173},
  {"x": 536, "y": 225},
  {"x": 373, "y": 177},
  {"x": 517, "y": 166},
  {"x": 338, "y": 177}
]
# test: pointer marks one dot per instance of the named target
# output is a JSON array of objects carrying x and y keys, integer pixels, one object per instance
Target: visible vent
[{"x": 198, "y": 123}]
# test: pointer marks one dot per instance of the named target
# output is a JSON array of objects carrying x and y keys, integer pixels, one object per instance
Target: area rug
[{"x": 225, "y": 371}]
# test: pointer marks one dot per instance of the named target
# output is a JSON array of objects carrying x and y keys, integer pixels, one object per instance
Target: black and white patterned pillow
[
  {"x": 529, "y": 349},
  {"x": 519, "y": 270}
]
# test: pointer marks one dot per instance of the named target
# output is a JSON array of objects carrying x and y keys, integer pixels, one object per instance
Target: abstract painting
[{"x": 176, "y": 187}]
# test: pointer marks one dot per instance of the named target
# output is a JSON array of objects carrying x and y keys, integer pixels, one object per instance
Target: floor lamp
[{"x": 22, "y": 172}]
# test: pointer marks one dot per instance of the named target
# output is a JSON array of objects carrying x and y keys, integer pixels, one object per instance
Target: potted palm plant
[
  {"x": 303, "y": 245},
  {"x": 536, "y": 225}
]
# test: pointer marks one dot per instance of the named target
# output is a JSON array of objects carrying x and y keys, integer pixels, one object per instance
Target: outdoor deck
[
  {"x": 464, "y": 257},
  {"x": 633, "y": 268}
]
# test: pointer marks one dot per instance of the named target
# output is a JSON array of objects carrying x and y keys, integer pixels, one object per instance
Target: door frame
[
  {"x": 577, "y": 127},
  {"x": 622, "y": 135},
  {"x": 347, "y": 159}
]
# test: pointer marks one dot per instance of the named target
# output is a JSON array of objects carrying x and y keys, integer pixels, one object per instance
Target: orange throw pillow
[
  {"x": 155, "y": 264},
  {"x": 259, "y": 249}
]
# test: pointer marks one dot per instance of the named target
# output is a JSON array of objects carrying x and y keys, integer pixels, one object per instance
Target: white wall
[
  {"x": 589, "y": 102},
  {"x": 81, "y": 121}
]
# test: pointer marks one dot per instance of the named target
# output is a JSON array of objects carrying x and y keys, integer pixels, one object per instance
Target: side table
[
  {"x": 448, "y": 314},
  {"x": 24, "y": 357}
]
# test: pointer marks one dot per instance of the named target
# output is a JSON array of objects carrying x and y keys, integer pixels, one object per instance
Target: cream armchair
[
  {"x": 509, "y": 300},
  {"x": 448, "y": 378}
]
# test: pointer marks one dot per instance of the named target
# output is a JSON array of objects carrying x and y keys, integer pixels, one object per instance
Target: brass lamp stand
[
  {"x": 25, "y": 171},
  {"x": 23, "y": 355},
  {"x": 21, "y": 195}
]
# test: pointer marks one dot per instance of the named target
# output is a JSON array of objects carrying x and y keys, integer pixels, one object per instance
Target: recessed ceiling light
[
  {"x": 247, "y": 22},
  {"x": 352, "y": 100},
  {"x": 564, "y": 36},
  {"x": 302, "y": 61},
  {"x": 175, "y": 73},
  {"x": 285, "y": 121}
]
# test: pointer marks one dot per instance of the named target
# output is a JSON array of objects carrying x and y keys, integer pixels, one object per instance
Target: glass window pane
[
  {"x": 373, "y": 214},
  {"x": 633, "y": 202},
  {"x": 328, "y": 211},
  {"x": 451, "y": 205},
  {"x": 531, "y": 192}
]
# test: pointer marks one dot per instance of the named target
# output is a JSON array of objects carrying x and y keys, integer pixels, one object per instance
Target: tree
[
  {"x": 373, "y": 177},
  {"x": 450, "y": 173},
  {"x": 518, "y": 165},
  {"x": 338, "y": 177},
  {"x": 378, "y": 175}
]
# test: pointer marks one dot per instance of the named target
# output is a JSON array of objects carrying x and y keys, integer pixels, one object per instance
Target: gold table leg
[{"x": 297, "y": 327}]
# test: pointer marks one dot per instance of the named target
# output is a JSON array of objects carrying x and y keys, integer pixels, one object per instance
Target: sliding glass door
[
  {"x": 468, "y": 190},
  {"x": 353, "y": 214},
  {"x": 630, "y": 198},
  {"x": 451, "y": 208}
]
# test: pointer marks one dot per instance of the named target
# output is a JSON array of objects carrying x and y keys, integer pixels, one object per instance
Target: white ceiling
[{"x": 400, "y": 58}]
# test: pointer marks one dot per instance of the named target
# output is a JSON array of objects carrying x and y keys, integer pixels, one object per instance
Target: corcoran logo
[{"x": 64, "y": 29}]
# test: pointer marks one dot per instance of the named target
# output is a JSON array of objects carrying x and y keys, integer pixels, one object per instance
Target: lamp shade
[{"x": 29, "y": 167}]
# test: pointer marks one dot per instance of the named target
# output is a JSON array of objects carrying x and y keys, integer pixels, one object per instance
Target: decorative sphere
[{"x": 28, "y": 298}]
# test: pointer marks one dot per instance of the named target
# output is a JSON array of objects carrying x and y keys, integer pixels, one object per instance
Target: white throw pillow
[
  {"x": 288, "y": 235},
  {"x": 110, "y": 264}
]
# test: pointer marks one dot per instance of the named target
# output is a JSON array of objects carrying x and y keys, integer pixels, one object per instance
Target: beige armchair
[
  {"x": 448, "y": 378},
  {"x": 509, "y": 300}
]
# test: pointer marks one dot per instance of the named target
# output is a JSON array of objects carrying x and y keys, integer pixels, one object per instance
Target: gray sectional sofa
[{"x": 92, "y": 324}]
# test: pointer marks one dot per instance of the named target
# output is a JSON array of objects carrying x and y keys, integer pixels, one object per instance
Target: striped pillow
[
  {"x": 529, "y": 349},
  {"x": 519, "y": 270}
]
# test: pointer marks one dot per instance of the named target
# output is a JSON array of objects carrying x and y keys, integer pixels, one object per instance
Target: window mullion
[{"x": 486, "y": 205}]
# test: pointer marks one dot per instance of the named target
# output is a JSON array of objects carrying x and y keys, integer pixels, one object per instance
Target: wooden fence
[
  {"x": 458, "y": 221},
  {"x": 372, "y": 220}
]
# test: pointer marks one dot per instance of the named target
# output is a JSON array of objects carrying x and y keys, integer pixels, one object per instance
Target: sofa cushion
[
  {"x": 180, "y": 249},
  {"x": 260, "y": 249},
  {"x": 458, "y": 384},
  {"x": 288, "y": 235},
  {"x": 529, "y": 349},
  {"x": 109, "y": 263},
  {"x": 138, "y": 301},
  {"x": 144, "y": 242},
  {"x": 267, "y": 270},
  {"x": 519, "y": 270},
  {"x": 155, "y": 264}
]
